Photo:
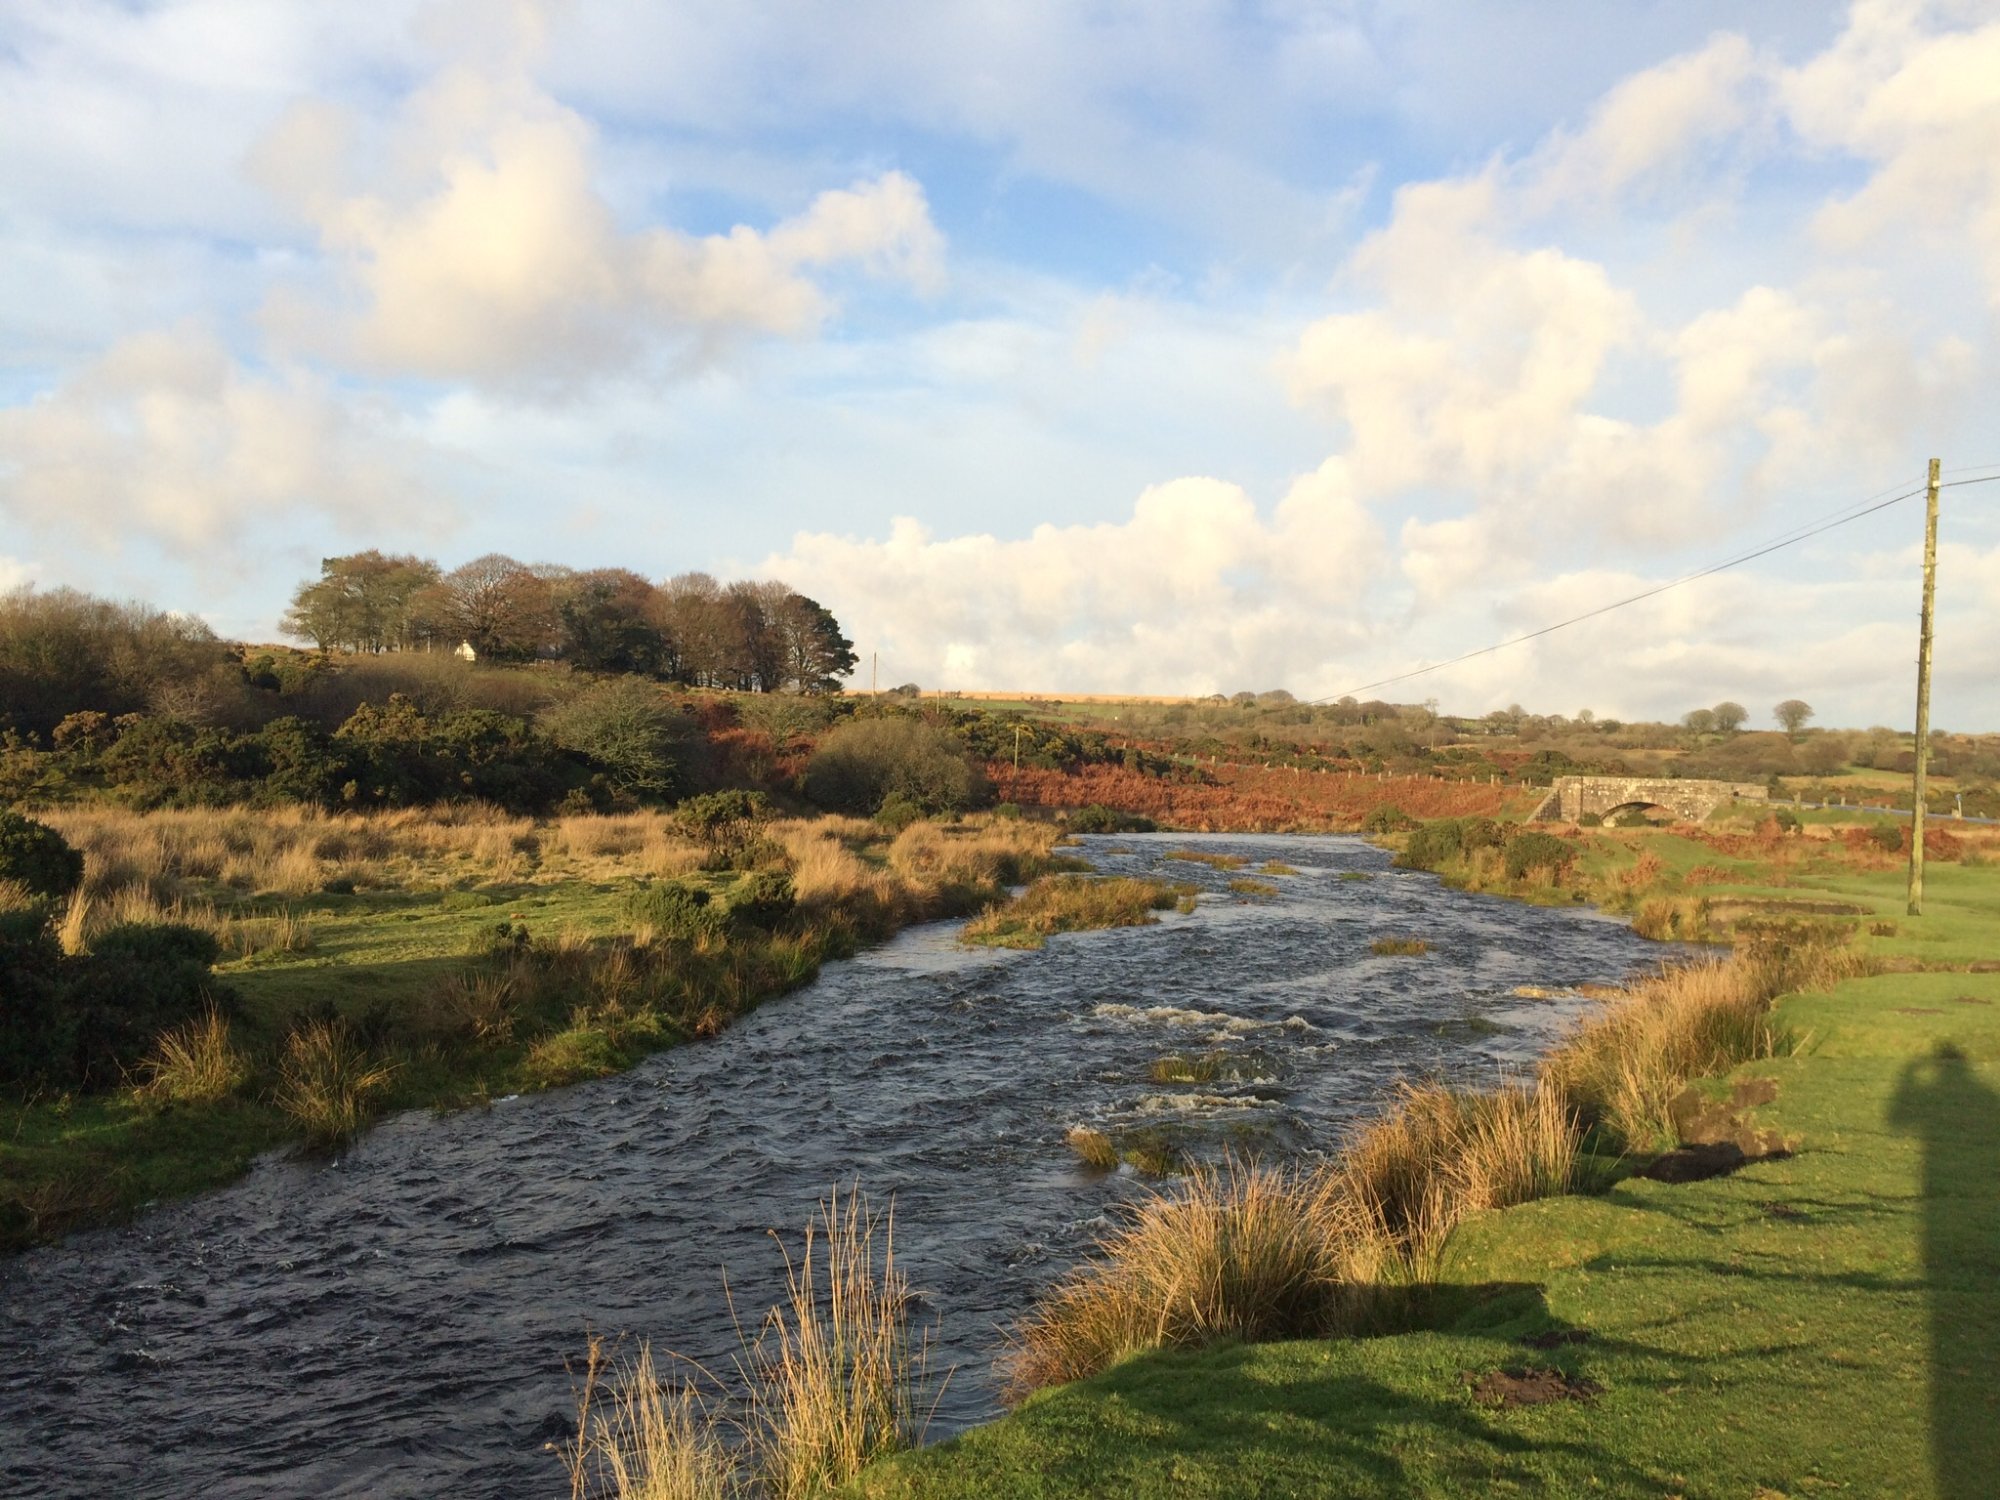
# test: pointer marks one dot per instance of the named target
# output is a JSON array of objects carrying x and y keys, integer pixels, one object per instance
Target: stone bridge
[{"x": 1574, "y": 797}]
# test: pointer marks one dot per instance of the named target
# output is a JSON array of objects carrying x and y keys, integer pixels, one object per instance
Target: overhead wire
[{"x": 1806, "y": 530}]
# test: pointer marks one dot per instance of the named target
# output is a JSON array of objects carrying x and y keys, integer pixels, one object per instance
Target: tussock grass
[
  {"x": 1204, "y": 857},
  {"x": 195, "y": 1063},
  {"x": 327, "y": 1082},
  {"x": 1393, "y": 947},
  {"x": 1070, "y": 903},
  {"x": 640, "y": 1438},
  {"x": 1240, "y": 1251},
  {"x": 1275, "y": 867},
  {"x": 1243, "y": 885},
  {"x": 1249, "y": 1253},
  {"x": 1093, "y": 1148},
  {"x": 833, "y": 1379}
]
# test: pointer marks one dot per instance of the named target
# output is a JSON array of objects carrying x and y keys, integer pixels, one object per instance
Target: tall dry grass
[
  {"x": 195, "y": 1063},
  {"x": 832, "y": 1382},
  {"x": 1250, "y": 1253},
  {"x": 329, "y": 1083}
]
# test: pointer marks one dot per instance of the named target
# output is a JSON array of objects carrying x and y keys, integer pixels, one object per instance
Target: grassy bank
[
  {"x": 1818, "y": 1322},
  {"x": 446, "y": 958}
]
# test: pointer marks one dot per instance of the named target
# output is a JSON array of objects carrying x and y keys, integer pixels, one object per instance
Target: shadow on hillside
[{"x": 1941, "y": 1100}]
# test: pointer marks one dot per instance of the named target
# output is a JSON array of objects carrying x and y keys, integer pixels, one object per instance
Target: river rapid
[{"x": 396, "y": 1321}]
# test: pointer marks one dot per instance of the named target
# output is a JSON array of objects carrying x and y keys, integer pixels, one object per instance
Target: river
[{"x": 396, "y": 1321}]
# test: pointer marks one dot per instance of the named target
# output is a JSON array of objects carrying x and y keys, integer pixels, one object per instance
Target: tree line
[{"x": 747, "y": 636}]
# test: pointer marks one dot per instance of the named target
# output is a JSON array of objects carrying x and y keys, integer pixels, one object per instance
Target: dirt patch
[
  {"x": 1699, "y": 1163},
  {"x": 1703, "y": 1122},
  {"x": 1918, "y": 1010},
  {"x": 1778, "y": 906},
  {"x": 1970, "y": 1000},
  {"x": 1557, "y": 1338},
  {"x": 1984, "y": 966},
  {"x": 1529, "y": 1387},
  {"x": 1784, "y": 1211}
]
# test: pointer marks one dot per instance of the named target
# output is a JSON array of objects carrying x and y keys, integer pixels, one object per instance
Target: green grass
[{"x": 1826, "y": 1323}]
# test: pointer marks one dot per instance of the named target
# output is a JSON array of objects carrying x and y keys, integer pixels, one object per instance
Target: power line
[{"x": 1842, "y": 517}]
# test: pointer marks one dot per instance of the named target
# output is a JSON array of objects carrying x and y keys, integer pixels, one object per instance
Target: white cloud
[
  {"x": 488, "y": 253},
  {"x": 1196, "y": 588},
  {"x": 168, "y": 437},
  {"x": 1920, "y": 100}
]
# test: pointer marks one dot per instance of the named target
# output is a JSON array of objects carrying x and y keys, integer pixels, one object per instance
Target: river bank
[
  {"x": 1815, "y": 1322},
  {"x": 395, "y": 1320},
  {"x": 455, "y": 957}
]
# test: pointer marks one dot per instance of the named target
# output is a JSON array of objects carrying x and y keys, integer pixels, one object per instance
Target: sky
[{"x": 1164, "y": 346}]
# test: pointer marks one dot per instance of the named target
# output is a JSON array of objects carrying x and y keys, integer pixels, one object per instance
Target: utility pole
[
  {"x": 1924, "y": 697},
  {"x": 1017, "y": 760},
  {"x": 874, "y": 672}
]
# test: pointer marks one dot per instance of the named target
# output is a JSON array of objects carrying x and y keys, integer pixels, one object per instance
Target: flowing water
[{"x": 396, "y": 1322}]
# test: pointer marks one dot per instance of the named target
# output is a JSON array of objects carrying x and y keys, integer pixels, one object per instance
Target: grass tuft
[
  {"x": 1390, "y": 947},
  {"x": 327, "y": 1082},
  {"x": 195, "y": 1063},
  {"x": 1070, "y": 903}
]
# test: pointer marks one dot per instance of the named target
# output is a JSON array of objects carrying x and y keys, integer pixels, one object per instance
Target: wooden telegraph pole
[{"x": 1924, "y": 697}]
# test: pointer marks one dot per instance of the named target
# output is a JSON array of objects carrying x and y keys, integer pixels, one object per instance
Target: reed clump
[
  {"x": 832, "y": 1382},
  {"x": 328, "y": 1083},
  {"x": 1245, "y": 1252},
  {"x": 1071, "y": 903},
  {"x": 195, "y": 1063},
  {"x": 1239, "y": 1251},
  {"x": 1399, "y": 947}
]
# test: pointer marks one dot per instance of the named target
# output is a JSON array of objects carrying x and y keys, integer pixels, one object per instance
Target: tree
[
  {"x": 1730, "y": 717},
  {"x": 1700, "y": 720},
  {"x": 689, "y": 610},
  {"x": 506, "y": 609},
  {"x": 1792, "y": 714},
  {"x": 814, "y": 653},
  {"x": 608, "y": 623},
  {"x": 361, "y": 602}
]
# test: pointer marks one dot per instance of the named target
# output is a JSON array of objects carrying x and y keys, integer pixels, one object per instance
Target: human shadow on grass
[{"x": 1943, "y": 1101}]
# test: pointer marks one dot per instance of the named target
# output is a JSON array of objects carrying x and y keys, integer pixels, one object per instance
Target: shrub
[
  {"x": 676, "y": 911},
  {"x": 626, "y": 727},
  {"x": 898, "y": 812},
  {"x": 1386, "y": 817},
  {"x": 1097, "y": 818},
  {"x": 862, "y": 762},
  {"x": 158, "y": 943},
  {"x": 37, "y": 857},
  {"x": 722, "y": 821},
  {"x": 763, "y": 900},
  {"x": 1887, "y": 837},
  {"x": 1535, "y": 850},
  {"x": 1438, "y": 843}
]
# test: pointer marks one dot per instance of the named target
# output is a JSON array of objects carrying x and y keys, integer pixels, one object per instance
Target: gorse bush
[
  {"x": 1531, "y": 851},
  {"x": 36, "y": 857},
  {"x": 862, "y": 762},
  {"x": 1439, "y": 843}
]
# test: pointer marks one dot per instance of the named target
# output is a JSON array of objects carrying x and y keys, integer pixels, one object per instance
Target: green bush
[
  {"x": 629, "y": 728},
  {"x": 722, "y": 821},
  {"x": 36, "y": 856},
  {"x": 861, "y": 763},
  {"x": 761, "y": 900},
  {"x": 898, "y": 812},
  {"x": 676, "y": 911},
  {"x": 1536, "y": 851},
  {"x": 1437, "y": 844},
  {"x": 1888, "y": 837},
  {"x": 1098, "y": 818},
  {"x": 158, "y": 943},
  {"x": 1386, "y": 817},
  {"x": 83, "y": 1022}
]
